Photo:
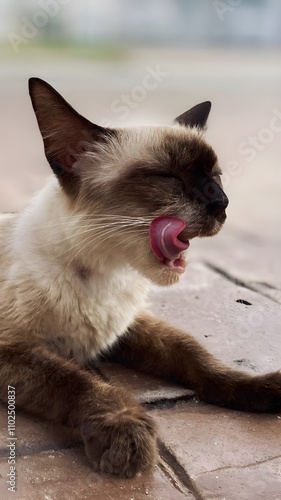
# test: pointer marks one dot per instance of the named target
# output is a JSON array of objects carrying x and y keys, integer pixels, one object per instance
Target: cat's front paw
[{"x": 122, "y": 443}]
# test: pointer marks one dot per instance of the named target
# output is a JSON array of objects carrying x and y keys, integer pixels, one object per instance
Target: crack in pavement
[
  {"x": 240, "y": 282},
  {"x": 241, "y": 467},
  {"x": 178, "y": 470}
]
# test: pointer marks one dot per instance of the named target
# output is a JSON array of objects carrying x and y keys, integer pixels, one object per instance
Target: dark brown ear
[
  {"x": 66, "y": 134},
  {"x": 196, "y": 116}
]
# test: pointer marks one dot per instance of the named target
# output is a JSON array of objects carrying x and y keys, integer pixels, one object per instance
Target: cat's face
[{"x": 146, "y": 191}]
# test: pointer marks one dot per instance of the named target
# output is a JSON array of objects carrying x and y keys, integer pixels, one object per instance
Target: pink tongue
[{"x": 164, "y": 240}]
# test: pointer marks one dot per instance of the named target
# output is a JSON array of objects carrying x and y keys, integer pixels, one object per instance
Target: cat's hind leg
[{"x": 154, "y": 347}]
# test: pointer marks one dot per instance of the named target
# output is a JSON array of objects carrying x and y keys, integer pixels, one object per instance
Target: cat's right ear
[
  {"x": 196, "y": 116},
  {"x": 66, "y": 134}
]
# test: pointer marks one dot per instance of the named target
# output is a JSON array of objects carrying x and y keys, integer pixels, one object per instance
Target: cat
[{"x": 75, "y": 269}]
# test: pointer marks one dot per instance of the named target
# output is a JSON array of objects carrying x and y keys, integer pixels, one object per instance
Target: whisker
[
  {"x": 88, "y": 240},
  {"x": 98, "y": 239},
  {"x": 126, "y": 240},
  {"x": 95, "y": 230},
  {"x": 95, "y": 222}
]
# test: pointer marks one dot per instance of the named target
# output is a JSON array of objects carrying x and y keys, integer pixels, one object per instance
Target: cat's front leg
[
  {"x": 153, "y": 346},
  {"x": 119, "y": 436}
]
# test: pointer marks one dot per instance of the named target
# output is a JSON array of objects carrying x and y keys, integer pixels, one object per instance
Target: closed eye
[{"x": 167, "y": 175}]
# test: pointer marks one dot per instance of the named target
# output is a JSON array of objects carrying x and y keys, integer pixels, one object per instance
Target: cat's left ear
[{"x": 196, "y": 116}]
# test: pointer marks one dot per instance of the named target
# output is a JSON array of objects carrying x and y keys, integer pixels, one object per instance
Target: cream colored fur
[{"x": 43, "y": 294}]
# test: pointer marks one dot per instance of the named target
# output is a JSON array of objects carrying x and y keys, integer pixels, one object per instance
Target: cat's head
[{"x": 144, "y": 191}]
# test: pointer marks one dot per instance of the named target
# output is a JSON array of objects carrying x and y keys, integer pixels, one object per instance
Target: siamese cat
[{"x": 75, "y": 268}]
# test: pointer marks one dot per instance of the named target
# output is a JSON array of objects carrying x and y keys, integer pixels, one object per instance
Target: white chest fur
[
  {"x": 78, "y": 310},
  {"x": 91, "y": 314}
]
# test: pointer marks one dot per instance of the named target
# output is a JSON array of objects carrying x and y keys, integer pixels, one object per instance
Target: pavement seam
[
  {"x": 169, "y": 472},
  {"x": 241, "y": 467},
  {"x": 239, "y": 282},
  {"x": 178, "y": 470},
  {"x": 168, "y": 403}
]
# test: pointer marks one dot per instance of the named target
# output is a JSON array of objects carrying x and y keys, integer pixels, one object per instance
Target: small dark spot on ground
[
  {"x": 245, "y": 302},
  {"x": 240, "y": 361},
  {"x": 245, "y": 362}
]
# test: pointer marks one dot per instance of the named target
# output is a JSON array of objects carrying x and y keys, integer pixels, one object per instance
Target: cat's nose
[{"x": 217, "y": 205}]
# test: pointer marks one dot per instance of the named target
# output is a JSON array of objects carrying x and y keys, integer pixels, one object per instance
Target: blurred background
[{"x": 123, "y": 62}]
